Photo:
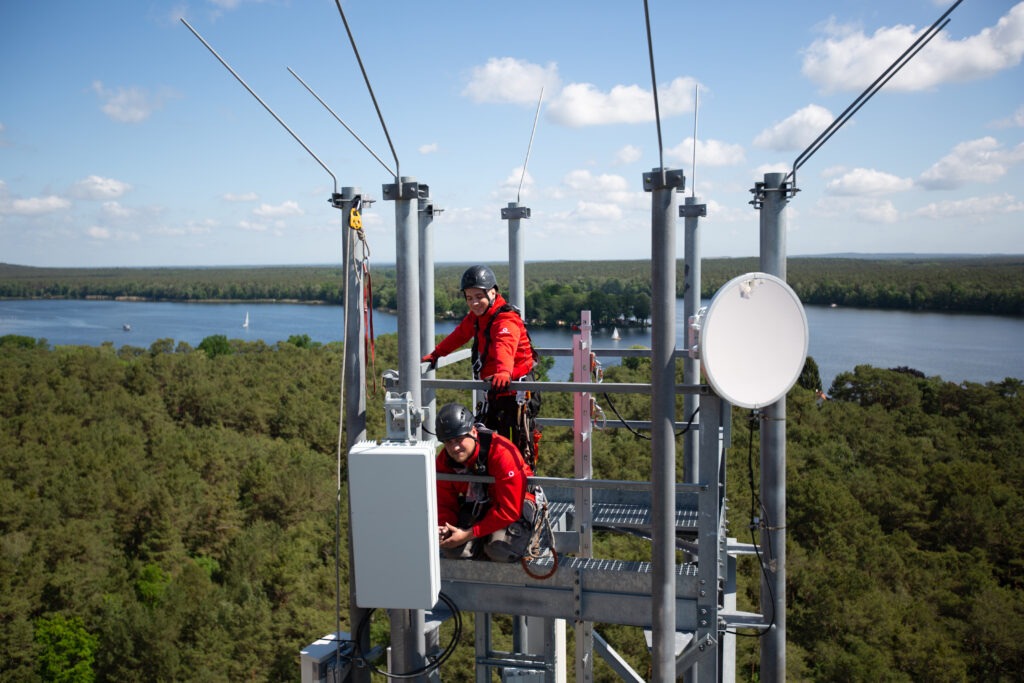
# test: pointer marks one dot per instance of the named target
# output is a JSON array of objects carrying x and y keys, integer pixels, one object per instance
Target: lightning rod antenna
[
  {"x": 338, "y": 118},
  {"x": 260, "y": 100},
  {"x": 530, "y": 146},
  {"x": 693, "y": 167},
  {"x": 366, "y": 78},
  {"x": 654, "y": 89}
]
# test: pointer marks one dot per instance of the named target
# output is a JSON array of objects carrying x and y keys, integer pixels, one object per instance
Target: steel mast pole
[
  {"x": 354, "y": 385},
  {"x": 409, "y": 650},
  {"x": 426, "y": 253},
  {"x": 773, "y": 451},
  {"x": 662, "y": 185},
  {"x": 691, "y": 211},
  {"x": 516, "y": 259}
]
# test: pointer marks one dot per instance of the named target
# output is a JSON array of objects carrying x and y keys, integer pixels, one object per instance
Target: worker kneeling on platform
[{"x": 477, "y": 518}]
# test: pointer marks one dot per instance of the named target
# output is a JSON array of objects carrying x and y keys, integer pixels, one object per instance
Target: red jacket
[
  {"x": 506, "y": 350},
  {"x": 506, "y": 494}
]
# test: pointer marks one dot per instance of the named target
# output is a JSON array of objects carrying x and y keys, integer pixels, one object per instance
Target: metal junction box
[{"x": 393, "y": 499}]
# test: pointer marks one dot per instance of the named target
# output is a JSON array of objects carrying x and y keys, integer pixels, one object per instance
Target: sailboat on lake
[
  {"x": 615, "y": 334},
  {"x": 245, "y": 324}
]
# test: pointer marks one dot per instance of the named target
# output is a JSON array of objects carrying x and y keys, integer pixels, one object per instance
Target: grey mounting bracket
[
  {"x": 405, "y": 189},
  {"x": 693, "y": 210},
  {"x": 403, "y": 419},
  {"x": 668, "y": 178},
  {"x": 759, "y": 191},
  {"x": 515, "y": 212}
]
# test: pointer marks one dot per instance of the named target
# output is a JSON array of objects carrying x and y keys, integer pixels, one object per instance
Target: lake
[{"x": 956, "y": 347}]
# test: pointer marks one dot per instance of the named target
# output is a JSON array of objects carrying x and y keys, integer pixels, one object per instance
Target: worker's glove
[
  {"x": 431, "y": 359},
  {"x": 500, "y": 380}
]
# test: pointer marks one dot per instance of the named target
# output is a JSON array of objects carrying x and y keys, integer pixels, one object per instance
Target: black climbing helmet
[
  {"x": 478, "y": 276},
  {"x": 453, "y": 420}
]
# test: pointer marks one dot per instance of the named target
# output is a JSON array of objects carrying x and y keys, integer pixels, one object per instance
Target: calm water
[{"x": 955, "y": 347}]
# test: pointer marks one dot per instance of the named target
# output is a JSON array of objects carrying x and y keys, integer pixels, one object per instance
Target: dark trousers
[{"x": 504, "y": 545}]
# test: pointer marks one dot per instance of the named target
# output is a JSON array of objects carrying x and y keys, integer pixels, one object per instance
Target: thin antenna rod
[
  {"x": 258, "y": 99},
  {"x": 870, "y": 91},
  {"x": 530, "y": 146},
  {"x": 369, "y": 87},
  {"x": 654, "y": 88},
  {"x": 338, "y": 118},
  {"x": 693, "y": 173}
]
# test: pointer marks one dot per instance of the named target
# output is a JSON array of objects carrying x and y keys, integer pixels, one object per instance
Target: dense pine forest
[
  {"x": 168, "y": 513},
  {"x": 615, "y": 292}
]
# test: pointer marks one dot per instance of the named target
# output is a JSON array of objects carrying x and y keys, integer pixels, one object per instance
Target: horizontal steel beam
[{"x": 598, "y": 591}]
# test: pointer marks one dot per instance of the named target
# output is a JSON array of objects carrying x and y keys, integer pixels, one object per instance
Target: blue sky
[{"x": 124, "y": 142}]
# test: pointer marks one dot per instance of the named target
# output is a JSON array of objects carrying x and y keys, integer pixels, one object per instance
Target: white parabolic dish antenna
[{"x": 753, "y": 340}]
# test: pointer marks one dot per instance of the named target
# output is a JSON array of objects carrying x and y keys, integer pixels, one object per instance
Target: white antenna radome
[{"x": 751, "y": 340}]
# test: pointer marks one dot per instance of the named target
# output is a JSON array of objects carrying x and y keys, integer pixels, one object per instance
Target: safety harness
[
  {"x": 541, "y": 525},
  {"x": 479, "y": 356},
  {"x": 525, "y": 434}
]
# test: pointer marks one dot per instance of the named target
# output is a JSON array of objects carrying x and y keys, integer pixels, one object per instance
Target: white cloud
[
  {"x": 116, "y": 211},
  {"x": 709, "y": 153},
  {"x": 848, "y": 59},
  {"x": 867, "y": 181},
  {"x": 629, "y": 154},
  {"x": 877, "y": 212},
  {"x": 582, "y": 104},
  {"x": 428, "y": 148},
  {"x": 242, "y": 197},
  {"x": 98, "y": 233},
  {"x": 190, "y": 228},
  {"x": 598, "y": 211},
  {"x": 512, "y": 180},
  {"x": 974, "y": 208},
  {"x": 129, "y": 105},
  {"x": 288, "y": 208},
  {"x": 96, "y": 187},
  {"x": 983, "y": 160},
  {"x": 34, "y": 206},
  {"x": 880, "y": 211},
  {"x": 252, "y": 227},
  {"x": 506, "y": 79},
  {"x": 797, "y": 131},
  {"x": 584, "y": 181}
]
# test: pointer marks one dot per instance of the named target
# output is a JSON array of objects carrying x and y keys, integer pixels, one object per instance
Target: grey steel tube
[
  {"x": 426, "y": 253},
  {"x": 354, "y": 384},
  {"x": 516, "y": 260},
  {"x": 663, "y": 469},
  {"x": 773, "y": 454},
  {"x": 411, "y": 655}
]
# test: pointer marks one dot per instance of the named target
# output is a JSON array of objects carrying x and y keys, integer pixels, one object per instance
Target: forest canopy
[{"x": 169, "y": 514}]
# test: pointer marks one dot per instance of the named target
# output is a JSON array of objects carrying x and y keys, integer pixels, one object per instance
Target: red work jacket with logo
[
  {"x": 505, "y": 346},
  {"x": 503, "y": 498}
]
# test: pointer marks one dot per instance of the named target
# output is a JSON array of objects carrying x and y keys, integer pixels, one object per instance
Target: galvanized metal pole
[
  {"x": 426, "y": 251},
  {"x": 410, "y": 651},
  {"x": 516, "y": 259},
  {"x": 354, "y": 385},
  {"x": 691, "y": 211},
  {"x": 773, "y": 453},
  {"x": 662, "y": 185}
]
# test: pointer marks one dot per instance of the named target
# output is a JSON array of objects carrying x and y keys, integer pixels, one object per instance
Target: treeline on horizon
[
  {"x": 168, "y": 513},
  {"x": 616, "y": 292}
]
